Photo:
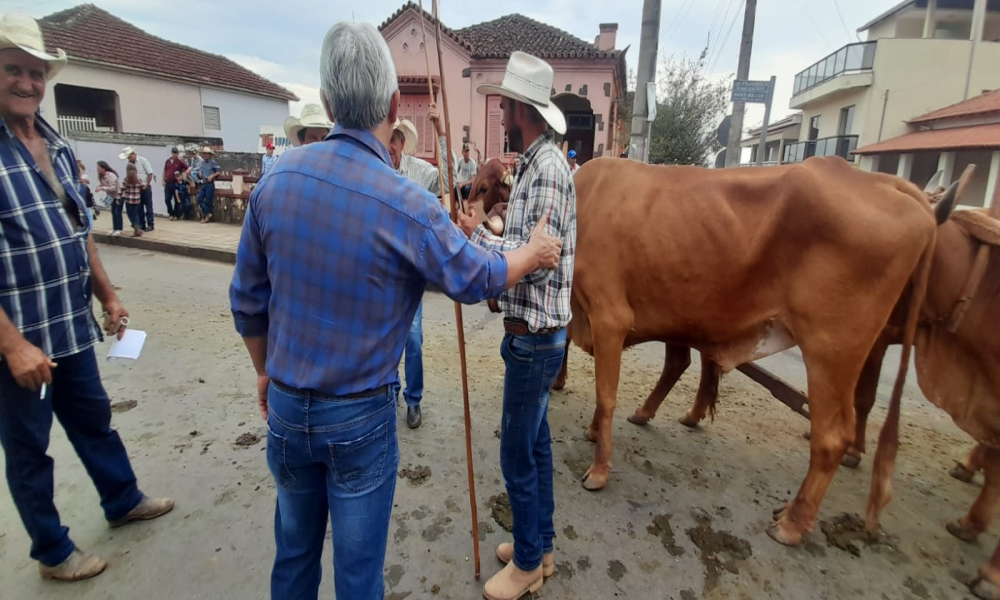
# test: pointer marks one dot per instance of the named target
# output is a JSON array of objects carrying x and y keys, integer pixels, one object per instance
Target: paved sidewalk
[{"x": 211, "y": 241}]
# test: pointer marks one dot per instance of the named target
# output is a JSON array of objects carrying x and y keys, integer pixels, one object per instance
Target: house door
[{"x": 580, "y": 135}]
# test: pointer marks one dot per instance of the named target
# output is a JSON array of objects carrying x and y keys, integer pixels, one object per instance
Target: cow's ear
[{"x": 504, "y": 191}]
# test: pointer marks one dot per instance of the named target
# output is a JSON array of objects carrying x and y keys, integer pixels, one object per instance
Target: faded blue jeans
[
  {"x": 77, "y": 398},
  {"x": 335, "y": 457},
  {"x": 413, "y": 366},
  {"x": 533, "y": 362}
]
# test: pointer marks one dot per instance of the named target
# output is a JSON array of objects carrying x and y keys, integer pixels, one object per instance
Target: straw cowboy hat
[
  {"x": 18, "y": 30},
  {"x": 409, "y": 132},
  {"x": 127, "y": 151},
  {"x": 312, "y": 115},
  {"x": 207, "y": 150},
  {"x": 529, "y": 79}
]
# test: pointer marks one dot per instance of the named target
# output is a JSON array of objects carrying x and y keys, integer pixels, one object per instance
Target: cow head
[{"x": 490, "y": 193}]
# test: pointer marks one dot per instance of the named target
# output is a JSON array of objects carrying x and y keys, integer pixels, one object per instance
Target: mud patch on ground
[
  {"x": 502, "y": 514},
  {"x": 583, "y": 564},
  {"x": 247, "y": 439},
  {"x": 484, "y": 528},
  {"x": 402, "y": 532},
  {"x": 719, "y": 550},
  {"x": 569, "y": 532},
  {"x": 616, "y": 570},
  {"x": 566, "y": 570},
  {"x": 918, "y": 589},
  {"x": 661, "y": 528},
  {"x": 398, "y": 595},
  {"x": 688, "y": 595},
  {"x": 123, "y": 406},
  {"x": 432, "y": 533},
  {"x": 417, "y": 475},
  {"x": 847, "y": 532},
  {"x": 394, "y": 575}
]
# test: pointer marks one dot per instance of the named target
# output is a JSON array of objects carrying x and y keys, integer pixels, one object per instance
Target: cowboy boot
[
  {"x": 148, "y": 508},
  {"x": 512, "y": 583},
  {"x": 77, "y": 567},
  {"x": 505, "y": 552}
]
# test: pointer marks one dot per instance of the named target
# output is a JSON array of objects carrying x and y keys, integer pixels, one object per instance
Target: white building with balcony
[{"x": 917, "y": 57}]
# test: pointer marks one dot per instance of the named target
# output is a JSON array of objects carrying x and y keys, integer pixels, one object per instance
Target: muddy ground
[{"x": 682, "y": 518}]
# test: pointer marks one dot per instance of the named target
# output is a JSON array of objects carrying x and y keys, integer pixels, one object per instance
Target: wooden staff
[{"x": 458, "y": 307}]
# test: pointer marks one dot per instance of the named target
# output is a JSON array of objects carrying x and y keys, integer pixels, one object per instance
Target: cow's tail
[{"x": 888, "y": 440}]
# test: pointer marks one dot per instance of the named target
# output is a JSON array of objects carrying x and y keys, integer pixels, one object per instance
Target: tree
[
  {"x": 624, "y": 112},
  {"x": 689, "y": 108}
]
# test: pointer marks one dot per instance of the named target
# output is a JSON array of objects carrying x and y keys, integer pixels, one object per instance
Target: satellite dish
[
  {"x": 722, "y": 133},
  {"x": 720, "y": 158}
]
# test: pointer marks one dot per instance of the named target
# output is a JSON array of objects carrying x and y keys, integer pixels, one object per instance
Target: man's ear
[
  {"x": 394, "y": 108},
  {"x": 326, "y": 107}
]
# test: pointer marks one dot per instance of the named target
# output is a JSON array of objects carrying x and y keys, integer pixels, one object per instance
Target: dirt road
[{"x": 683, "y": 516}]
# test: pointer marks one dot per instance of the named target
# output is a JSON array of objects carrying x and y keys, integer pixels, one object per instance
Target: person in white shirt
[
  {"x": 466, "y": 171},
  {"x": 571, "y": 159}
]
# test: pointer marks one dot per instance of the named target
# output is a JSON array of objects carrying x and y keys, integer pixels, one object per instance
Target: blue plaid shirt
[
  {"x": 45, "y": 285},
  {"x": 335, "y": 254}
]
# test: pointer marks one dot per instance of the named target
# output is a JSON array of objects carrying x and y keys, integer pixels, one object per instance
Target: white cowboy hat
[
  {"x": 312, "y": 115},
  {"x": 529, "y": 79},
  {"x": 207, "y": 150},
  {"x": 18, "y": 30},
  {"x": 127, "y": 151},
  {"x": 409, "y": 132}
]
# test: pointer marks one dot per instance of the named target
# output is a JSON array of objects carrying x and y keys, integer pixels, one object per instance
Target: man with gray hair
[{"x": 335, "y": 254}]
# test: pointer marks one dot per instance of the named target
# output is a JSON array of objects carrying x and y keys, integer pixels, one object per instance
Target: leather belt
[
  {"x": 520, "y": 327},
  {"x": 383, "y": 389}
]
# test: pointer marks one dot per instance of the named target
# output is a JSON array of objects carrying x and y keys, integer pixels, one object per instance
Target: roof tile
[
  {"x": 90, "y": 33},
  {"x": 975, "y": 137},
  {"x": 988, "y": 102}
]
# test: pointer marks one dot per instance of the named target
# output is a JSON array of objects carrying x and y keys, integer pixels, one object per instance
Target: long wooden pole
[{"x": 458, "y": 307}]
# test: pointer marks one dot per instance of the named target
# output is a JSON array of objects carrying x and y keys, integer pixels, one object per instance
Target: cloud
[{"x": 307, "y": 94}]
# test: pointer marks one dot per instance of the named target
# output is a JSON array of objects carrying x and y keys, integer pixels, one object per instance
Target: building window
[
  {"x": 846, "y": 126},
  {"x": 413, "y": 108},
  {"x": 814, "y": 128},
  {"x": 213, "y": 118},
  {"x": 496, "y": 137},
  {"x": 86, "y": 109}
]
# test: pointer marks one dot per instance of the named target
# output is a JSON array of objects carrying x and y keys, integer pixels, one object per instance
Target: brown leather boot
[
  {"x": 512, "y": 583},
  {"x": 77, "y": 567},
  {"x": 505, "y": 552},
  {"x": 148, "y": 508}
]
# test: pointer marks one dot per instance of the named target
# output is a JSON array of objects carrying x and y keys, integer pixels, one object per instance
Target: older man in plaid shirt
[
  {"x": 49, "y": 274},
  {"x": 335, "y": 254},
  {"x": 537, "y": 311}
]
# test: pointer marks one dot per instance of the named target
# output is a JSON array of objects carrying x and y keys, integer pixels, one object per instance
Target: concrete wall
[
  {"x": 147, "y": 105},
  {"x": 883, "y": 29},
  {"x": 241, "y": 117},
  {"x": 925, "y": 165},
  {"x": 909, "y": 28},
  {"x": 974, "y": 194},
  {"x": 91, "y": 152},
  {"x": 828, "y": 109}
]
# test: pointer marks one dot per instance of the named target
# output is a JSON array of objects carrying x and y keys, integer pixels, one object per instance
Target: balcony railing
[
  {"x": 851, "y": 58},
  {"x": 68, "y": 124},
  {"x": 839, "y": 145}
]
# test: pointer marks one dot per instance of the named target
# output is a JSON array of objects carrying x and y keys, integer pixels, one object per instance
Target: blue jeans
[
  {"x": 146, "y": 197},
  {"x": 206, "y": 197},
  {"x": 414, "y": 365},
  {"x": 116, "y": 214},
  {"x": 134, "y": 214},
  {"x": 336, "y": 457},
  {"x": 77, "y": 398},
  {"x": 532, "y": 361}
]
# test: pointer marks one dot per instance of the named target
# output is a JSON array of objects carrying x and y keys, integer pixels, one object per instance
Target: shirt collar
[
  {"x": 52, "y": 139},
  {"x": 533, "y": 150},
  {"x": 365, "y": 138}
]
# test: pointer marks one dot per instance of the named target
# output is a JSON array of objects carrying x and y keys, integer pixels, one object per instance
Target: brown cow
[
  {"x": 489, "y": 193},
  {"x": 741, "y": 264}
]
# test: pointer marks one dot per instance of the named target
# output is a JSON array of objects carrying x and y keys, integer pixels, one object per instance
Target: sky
[{"x": 281, "y": 40}]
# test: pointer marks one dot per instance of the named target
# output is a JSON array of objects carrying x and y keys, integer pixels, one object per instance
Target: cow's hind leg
[
  {"x": 831, "y": 414},
  {"x": 708, "y": 393},
  {"x": 966, "y": 470},
  {"x": 676, "y": 360},
  {"x": 608, "y": 345},
  {"x": 986, "y": 584},
  {"x": 864, "y": 400},
  {"x": 984, "y": 508},
  {"x": 560, "y": 381}
]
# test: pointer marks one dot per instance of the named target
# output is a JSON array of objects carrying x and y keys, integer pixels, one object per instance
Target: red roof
[
  {"x": 986, "y": 103},
  {"x": 973, "y": 137},
  {"x": 87, "y": 32}
]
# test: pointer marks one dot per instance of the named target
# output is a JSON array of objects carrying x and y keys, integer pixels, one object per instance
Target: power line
[
  {"x": 847, "y": 30},
  {"x": 675, "y": 25},
  {"x": 715, "y": 17},
  {"x": 802, "y": 5},
  {"x": 679, "y": 23},
  {"x": 722, "y": 25},
  {"x": 736, "y": 17}
]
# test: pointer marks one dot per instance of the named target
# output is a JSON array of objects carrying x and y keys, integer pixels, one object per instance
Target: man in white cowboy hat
[
  {"x": 145, "y": 172},
  {"x": 47, "y": 327},
  {"x": 208, "y": 171},
  {"x": 335, "y": 254},
  {"x": 401, "y": 147},
  {"x": 311, "y": 126},
  {"x": 536, "y": 312}
]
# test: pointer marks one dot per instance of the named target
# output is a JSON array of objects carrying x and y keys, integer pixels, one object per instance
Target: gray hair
[{"x": 357, "y": 76}]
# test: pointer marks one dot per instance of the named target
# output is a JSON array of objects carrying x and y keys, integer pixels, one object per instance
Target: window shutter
[
  {"x": 494, "y": 128},
  {"x": 413, "y": 107},
  {"x": 213, "y": 119}
]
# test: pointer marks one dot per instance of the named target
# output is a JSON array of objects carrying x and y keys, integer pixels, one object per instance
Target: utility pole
[
  {"x": 742, "y": 73},
  {"x": 646, "y": 74}
]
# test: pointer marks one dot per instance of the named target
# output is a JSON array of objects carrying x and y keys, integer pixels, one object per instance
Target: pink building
[{"x": 590, "y": 81}]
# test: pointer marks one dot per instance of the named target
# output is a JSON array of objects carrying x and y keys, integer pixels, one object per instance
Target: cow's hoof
[
  {"x": 689, "y": 421},
  {"x": 779, "y": 513},
  {"x": 984, "y": 588},
  {"x": 850, "y": 461},
  {"x": 559, "y": 383},
  {"x": 591, "y": 434},
  {"x": 966, "y": 534},
  {"x": 785, "y": 533},
  {"x": 637, "y": 419},
  {"x": 961, "y": 473},
  {"x": 593, "y": 480}
]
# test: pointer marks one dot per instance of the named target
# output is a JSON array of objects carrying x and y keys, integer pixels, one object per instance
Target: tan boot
[
  {"x": 77, "y": 567},
  {"x": 512, "y": 583},
  {"x": 149, "y": 508},
  {"x": 505, "y": 552}
]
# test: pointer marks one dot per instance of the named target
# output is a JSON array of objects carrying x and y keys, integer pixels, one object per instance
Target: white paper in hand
[{"x": 129, "y": 346}]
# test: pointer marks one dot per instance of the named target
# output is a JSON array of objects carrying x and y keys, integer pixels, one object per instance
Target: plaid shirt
[
  {"x": 45, "y": 285},
  {"x": 543, "y": 186},
  {"x": 335, "y": 254},
  {"x": 131, "y": 192}
]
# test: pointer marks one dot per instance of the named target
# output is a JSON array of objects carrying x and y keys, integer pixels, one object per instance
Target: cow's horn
[
  {"x": 508, "y": 179},
  {"x": 942, "y": 210}
]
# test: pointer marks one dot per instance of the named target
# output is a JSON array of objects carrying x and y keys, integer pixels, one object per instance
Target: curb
[{"x": 144, "y": 243}]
